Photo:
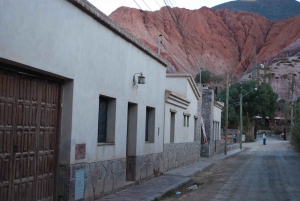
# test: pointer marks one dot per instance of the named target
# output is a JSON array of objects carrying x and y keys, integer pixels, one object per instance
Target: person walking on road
[{"x": 264, "y": 138}]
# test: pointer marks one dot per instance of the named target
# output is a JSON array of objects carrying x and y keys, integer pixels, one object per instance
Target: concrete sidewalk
[{"x": 158, "y": 186}]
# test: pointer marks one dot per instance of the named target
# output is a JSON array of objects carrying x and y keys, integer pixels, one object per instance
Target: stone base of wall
[
  {"x": 205, "y": 150},
  {"x": 233, "y": 146},
  {"x": 143, "y": 167},
  {"x": 214, "y": 148},
  {"x": 101, "y": 178},
  {"x": 219, "y": 147},
  {"x": 208, "y": 150},
  {"x": 180, "y": 154},
  {"x": 105, "y": 177}
]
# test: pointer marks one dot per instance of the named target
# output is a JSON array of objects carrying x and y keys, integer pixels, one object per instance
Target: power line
[
  {"x": 157, "y": 4},
  {"x": 173, "y": 57},
  {"x": 194, "y": 57},
  {"x": 147, "y": 5},
  {"x": 175, "y": 3},
  {"x": 171, "y": 5},
  {"x": 165, "y": 37},
  {"x": 169, "y": 40},
  {"x": 174, "y": 22}
]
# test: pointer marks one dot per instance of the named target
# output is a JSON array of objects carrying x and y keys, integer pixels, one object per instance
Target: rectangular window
[
  {"x": 150, "y": 124},
  {"x": 186, "y": 119},
  {"x": 106, "y": 119},
  {"x": 172, "y": 127}
]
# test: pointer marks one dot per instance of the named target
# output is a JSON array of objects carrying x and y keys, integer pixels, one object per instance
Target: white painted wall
[
  {"x": 217, "y": 118},
  {"x": 177, "y": 85},
  {"x": 181, "y": 86},
  {"x": 60, "y": 39}
]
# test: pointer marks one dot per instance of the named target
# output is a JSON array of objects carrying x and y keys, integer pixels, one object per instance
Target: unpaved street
[{"x": 261, "y": 172}]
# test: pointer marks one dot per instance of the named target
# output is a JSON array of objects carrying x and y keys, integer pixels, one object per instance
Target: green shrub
[{"x": 295, "y": 128}]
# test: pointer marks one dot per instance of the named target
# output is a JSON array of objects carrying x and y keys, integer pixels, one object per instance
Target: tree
[
  {"x": 207, "y": 76},
  {"x": 266, "y": 100},
  {"x": 295, "y": 128},
  {"x": 217, "y": 78},
  {"x": 258, "y": 102}
]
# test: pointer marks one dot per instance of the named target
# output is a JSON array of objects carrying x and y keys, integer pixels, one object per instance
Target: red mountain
[{"x": 215, "y": 40}]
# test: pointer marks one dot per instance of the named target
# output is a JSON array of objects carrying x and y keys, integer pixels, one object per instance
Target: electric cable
[
  {"x": 179, "y": 28},
  {"x": 165, "y": 37}
]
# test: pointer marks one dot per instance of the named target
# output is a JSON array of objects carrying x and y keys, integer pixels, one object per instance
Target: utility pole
[
  {"x": 159, "y": 43},
  {"x": 241, "y": 119},
  {"x": 200, "y": 72},
  {"x": 226, "y": 114},
  {"x": 286, "y": 109},
  {"x": 255, "y": 64},
  {"x": 270, "y": 77},
  {"x": 292, "y": 109},
  {"x": 265, "y": 73}
]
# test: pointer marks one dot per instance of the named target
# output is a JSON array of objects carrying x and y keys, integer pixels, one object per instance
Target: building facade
[
  {"x": 84, "y": 125},
  {"x": 181, "y": 140}
]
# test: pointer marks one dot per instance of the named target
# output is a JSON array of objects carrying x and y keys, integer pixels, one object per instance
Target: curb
[
  {"x": 189, "y": 179},
  {"x": 165, "y": 191},
  {"x": 203, "y": 169},
  {"x": 152, "y": 198}
]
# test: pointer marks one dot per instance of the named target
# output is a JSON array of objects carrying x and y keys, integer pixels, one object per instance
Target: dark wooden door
[
  {"x": 28, "y": 126},
  {"x": 7, "y": 115}
]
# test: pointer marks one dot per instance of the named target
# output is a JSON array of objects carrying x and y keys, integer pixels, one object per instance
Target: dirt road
[{"x": 261, "y": 172}]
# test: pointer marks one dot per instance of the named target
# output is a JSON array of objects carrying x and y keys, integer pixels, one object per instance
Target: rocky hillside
[
  {"x": 271, "y": 9},
  {"x": 279, "y": 75},
  {"x": 293, "y": 49},
  {"x": 215, "y": 40}
]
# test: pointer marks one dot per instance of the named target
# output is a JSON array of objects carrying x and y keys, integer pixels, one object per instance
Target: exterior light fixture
[{"x": 141, "y": 79}]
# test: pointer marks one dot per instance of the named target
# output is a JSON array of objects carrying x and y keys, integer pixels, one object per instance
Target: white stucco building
[
  {"x": 181, "y": 143},
  {"x": 74, "y": 124}
]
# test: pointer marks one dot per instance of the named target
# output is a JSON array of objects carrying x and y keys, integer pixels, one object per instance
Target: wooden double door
[{"x": 28, "y": 130}]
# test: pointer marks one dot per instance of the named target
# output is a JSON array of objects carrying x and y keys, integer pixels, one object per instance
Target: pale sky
[{"x": 108, "y": 6}]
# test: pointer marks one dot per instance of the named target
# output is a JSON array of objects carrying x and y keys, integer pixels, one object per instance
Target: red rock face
[{"x": 216, "y": 40}]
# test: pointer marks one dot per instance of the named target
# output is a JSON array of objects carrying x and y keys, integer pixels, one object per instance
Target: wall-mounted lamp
[{"x": 141, "y": 80}]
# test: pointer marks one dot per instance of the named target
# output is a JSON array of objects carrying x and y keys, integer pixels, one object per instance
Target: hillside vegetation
[{"x": 271, "y": 9}]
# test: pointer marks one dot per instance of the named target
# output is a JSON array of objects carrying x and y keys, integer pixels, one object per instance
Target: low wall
[
  {"x": 180, "y": 154},
  {"x": 99, "y": 178},
  {"x": 105, "y": 177},
  {"x": 208, "y": 150},
  {"x": 143, "y": 167}
]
